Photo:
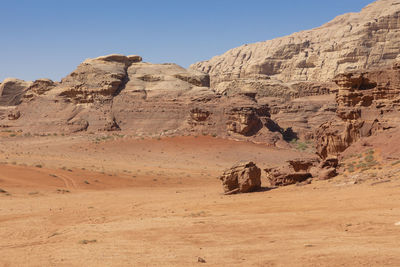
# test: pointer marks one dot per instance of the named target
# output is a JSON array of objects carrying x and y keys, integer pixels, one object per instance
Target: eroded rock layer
[
  {"x": 350, "y": 42},
  {"x": 117, "y": 92},
  {"x": 368, "y": 102}
]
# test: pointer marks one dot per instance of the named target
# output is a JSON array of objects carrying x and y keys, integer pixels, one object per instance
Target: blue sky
[{"x": 48, "y": 39}]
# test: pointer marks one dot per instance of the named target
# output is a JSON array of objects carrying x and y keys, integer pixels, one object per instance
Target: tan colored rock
[
  {"x": 39, "y": 87},
  {"x": 117, "y": 92},
  {"x": 241, "y": 178},
  {"x": 12, "y": 90},
  {"x": 95, "y": 79},
  {"x": 351, "y": 41}
]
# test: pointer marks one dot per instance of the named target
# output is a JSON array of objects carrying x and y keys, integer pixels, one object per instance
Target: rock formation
[
  {"x": 117, "y": 92},
  {"x": 368, "y": 103},
  {"x": 268, "y": 92},
  {"x": 295, "y": 171},
  {"x": 12, "y": 90},
  {"x": 241, "y": 178},
  {"x": 350, "y": 42},
  {"x": 300, "y": 170}
]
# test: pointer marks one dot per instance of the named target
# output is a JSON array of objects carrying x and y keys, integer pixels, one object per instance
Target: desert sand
[{"x": 125, "y": 201}]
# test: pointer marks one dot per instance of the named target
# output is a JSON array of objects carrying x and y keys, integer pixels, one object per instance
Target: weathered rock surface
[
  {"x": 350, "y": 42},
  {"x": 368, "y": 103},
  {"x": 241, "y": 178},
  {"x": 12, "y": 91},
  {"x": 294, "y": 171},
  {"x": 300, "y": 170},
  {"x": 326, "y": 169},
  {"x": 116, "y": 92},
  {"x": 300, "y": 117}
]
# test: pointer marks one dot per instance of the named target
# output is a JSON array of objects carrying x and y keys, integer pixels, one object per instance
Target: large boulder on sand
[{"x": 241, "y": 178}]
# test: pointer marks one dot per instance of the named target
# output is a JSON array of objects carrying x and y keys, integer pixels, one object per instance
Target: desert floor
[{"x": 126, "y": 201}]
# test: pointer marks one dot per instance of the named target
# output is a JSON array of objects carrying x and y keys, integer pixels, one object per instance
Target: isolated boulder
[{"x": 241, "y": 178}]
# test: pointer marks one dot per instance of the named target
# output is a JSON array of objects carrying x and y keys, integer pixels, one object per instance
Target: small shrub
[
  {"x": 395, "y": 163},
  {"x": 84, "y": 241},
  {"x": 350, "y": 167},
  {"x": 369, "y": 158}
]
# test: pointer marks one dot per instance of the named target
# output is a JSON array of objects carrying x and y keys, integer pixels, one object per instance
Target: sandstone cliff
[
  {"x": 117, "y": 92},
  {"x": 368, "y": 104},
  {"x": 350, "y": 42}
]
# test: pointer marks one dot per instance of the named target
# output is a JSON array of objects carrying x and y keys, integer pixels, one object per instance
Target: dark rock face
[{"x": 241, "y": 178}]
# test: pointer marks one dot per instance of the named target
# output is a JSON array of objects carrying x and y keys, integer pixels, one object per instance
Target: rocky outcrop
[
  {"x": 350, "y": 42},
  {"x": 301, "y": 170},
  {"x": 294, "y": 171},
  {"x": 12, "y": 91},
  {"x": 241, "y": 178},
  {"x": 367, "y": 103},
  {"x": 97, "y": 79},
  {"x": 246, "y": 118},
  {"x": 326, "y": 169},
  {"x": 122, "y": 93},
  {"x": 300, "y": 117},
  {"x": 39, "y": 87}
]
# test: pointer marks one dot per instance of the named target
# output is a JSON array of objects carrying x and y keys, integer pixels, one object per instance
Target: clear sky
[{"x": 49, "y": 38}]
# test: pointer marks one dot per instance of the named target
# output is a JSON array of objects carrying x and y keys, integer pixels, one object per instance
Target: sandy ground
[{"x": 90, "y": 201}]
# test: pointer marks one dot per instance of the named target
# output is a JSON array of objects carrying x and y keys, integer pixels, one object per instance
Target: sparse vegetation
[
  {"x": 63, "y": 191},
  {"x": 366, "y": 161},
  {"x": 395, "y": 163},
  {"x": 84, "y": 241},
  {"x": 350, "y": 167},
  {"x": 302, "y": 146}
]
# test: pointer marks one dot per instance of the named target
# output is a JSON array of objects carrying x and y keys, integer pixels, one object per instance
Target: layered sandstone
[
  {"x": 350, "y": 42},
  {"x": 368, "y": 103},
  {"x": 118, "y": 92}
]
